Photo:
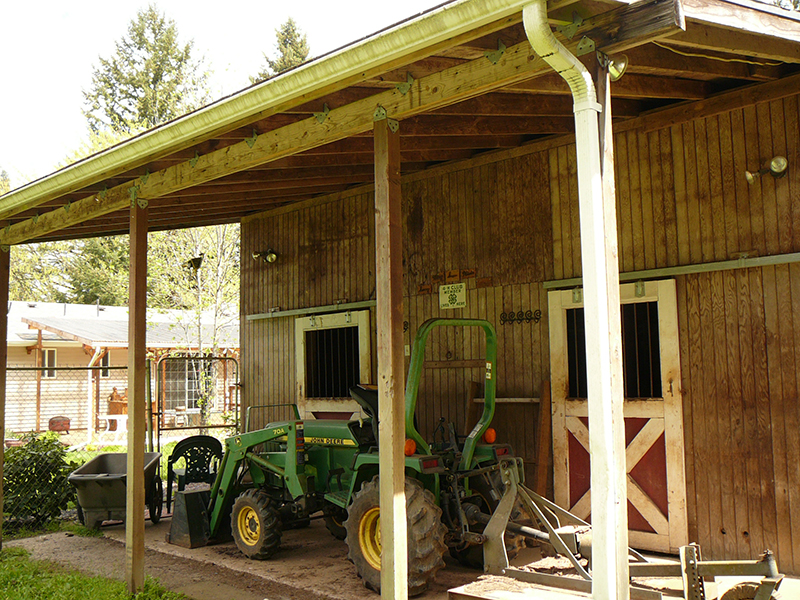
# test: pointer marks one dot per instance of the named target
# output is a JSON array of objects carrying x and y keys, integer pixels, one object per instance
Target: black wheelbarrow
[{"x": 101, "y": 488}]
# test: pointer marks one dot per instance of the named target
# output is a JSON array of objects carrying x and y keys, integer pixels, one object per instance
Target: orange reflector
[
  {"x": 490, "y": 436},
  {"x": 410, "y": 447}
]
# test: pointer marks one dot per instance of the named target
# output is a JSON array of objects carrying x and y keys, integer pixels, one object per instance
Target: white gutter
[
  {"x": 90, "y": 410},
  {"x": 385, "y": 50},
  {"x": 601, "y": 312}
]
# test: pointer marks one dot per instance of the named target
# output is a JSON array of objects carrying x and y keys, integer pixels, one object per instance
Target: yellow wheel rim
[
  {"x": 369, "y": 537},
  {"x": 249, "y": 526}
]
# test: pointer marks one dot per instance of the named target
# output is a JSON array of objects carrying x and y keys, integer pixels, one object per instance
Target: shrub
[{"x": 35, "y": 484}]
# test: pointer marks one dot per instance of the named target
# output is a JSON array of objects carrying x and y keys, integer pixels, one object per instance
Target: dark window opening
[
  {"x": 641, "y": 357},
  {"x": 332, "y": 362}
]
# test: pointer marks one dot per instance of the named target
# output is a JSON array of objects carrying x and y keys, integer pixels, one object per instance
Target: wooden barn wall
[{"x": 506, "y": 224}]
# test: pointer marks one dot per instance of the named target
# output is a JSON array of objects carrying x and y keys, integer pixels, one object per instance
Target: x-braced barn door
[{"x": 652, "y": 410}]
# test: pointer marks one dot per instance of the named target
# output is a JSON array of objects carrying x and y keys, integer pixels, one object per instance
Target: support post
[
  {"x": 598, "y": 221},
  {"x": 137, "y": 330},
  {"x": 391, "y": 403},
  {"x": 4, "y": 269}
]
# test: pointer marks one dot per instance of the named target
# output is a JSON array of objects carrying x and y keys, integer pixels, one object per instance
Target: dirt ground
[{"x": 311, "y": 565}]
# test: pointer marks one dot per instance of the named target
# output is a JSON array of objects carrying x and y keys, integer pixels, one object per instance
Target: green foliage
[
  {"x": 292, "y": 47},
  {"x": 24, "y": 579},
  {"x": 35, "y": 480},
  {"x": 97, "y": 271},
  {"x": 37, "y": 271},
  {"x": 150, "y": 79},
  {"x": 5, "y": 182}
]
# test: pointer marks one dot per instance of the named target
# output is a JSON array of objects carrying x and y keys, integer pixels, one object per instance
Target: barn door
[{"x": 652, "y": 410}]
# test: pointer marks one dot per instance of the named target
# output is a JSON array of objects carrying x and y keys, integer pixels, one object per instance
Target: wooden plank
[
  {"x": 767, "y": 184},
  {"x": 681, "y": 196},
  {"x": 635, "y": 199},
  {"x": 711, "y": 313},
  {"x": 137, "y": 418},
  {"x": 715, "y": 244},
  {"x": 670, "y": 197},
  {"x": 543, "y": 441},
  {"x": 745, "y": 16},
  {"x": 649, "y": 230},
  {"x": 726, "y": 200},
  {"x": 778, "y": 314},
  {"x": 5, "y": 256},
  {"x": 389, "y": 317},
  {"x": 792, "y": 412},
  {"x": 779, "y": 147},
  {"x": 692, "y": 138},
  {"x": 752, "y": 45}
]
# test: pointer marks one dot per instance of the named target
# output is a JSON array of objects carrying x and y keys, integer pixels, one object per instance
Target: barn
[{"x": 465, "y": 140}]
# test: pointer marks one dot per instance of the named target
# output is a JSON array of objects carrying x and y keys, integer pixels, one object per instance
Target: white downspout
[
  {"x": 90, "y": 398},
  {"x": 601, "y": 311}
]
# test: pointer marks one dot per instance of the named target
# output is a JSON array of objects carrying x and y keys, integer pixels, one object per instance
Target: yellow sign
[{"x": 453, "y": 295}]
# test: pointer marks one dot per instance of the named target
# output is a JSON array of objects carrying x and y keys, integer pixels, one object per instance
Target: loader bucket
[{"x": 190, "y": 528}]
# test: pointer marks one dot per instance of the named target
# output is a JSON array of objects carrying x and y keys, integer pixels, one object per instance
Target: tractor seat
[{"x": 368, "y": 400}]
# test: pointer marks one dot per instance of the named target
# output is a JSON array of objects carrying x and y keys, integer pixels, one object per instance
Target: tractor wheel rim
[
  {"x": 369, "y": 537},
  {"x": 249, "y": 526}
]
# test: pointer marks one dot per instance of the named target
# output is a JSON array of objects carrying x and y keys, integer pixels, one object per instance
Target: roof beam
[
  {"x": 705, "y": 37},
  {"x": 517, "y": 63}
]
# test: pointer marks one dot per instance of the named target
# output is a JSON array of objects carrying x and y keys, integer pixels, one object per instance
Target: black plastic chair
[{"x": 202, "y": 454}]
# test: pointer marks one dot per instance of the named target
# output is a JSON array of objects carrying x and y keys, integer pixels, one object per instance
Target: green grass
[
  {"x": 24, "y": 579},
  {"x": 51, "y": 527}
]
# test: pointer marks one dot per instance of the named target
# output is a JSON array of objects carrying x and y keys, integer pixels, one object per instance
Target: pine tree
[
  {"x": 150, "y": 79},
  {"x": 292, "y": 47}
]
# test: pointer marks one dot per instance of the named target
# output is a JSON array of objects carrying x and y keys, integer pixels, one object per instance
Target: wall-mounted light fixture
[
  {"x": 776, "y": 167},
  {"x": 268, "y": 256},
  {"x": 616, "y": 65}
]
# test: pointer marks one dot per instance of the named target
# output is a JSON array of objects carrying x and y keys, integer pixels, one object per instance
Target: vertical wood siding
[{"x": 682, "y": 199}]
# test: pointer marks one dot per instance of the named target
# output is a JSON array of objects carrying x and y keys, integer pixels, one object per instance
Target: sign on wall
[{"x": 453, "y": 295}]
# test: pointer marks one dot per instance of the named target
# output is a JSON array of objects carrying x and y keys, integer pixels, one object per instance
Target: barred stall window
[{"x": 641, "y": 360}]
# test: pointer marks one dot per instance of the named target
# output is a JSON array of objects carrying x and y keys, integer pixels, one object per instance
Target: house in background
[{"x": 70, "y": 360}]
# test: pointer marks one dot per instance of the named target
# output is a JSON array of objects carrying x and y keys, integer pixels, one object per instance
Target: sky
[{"x": 48, "y": 47}]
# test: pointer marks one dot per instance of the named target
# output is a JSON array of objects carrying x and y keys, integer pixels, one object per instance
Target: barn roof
[{"x": 462, "y": 81}]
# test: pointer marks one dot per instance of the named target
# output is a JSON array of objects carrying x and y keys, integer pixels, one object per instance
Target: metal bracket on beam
[
  {"x": 103, "y": 193},
  {"x": 35, "y": 218},
  {"x": 393, "y": 125},
  {"x": 5, "y": 248},
  {"x": 193, "y": 161},
  {"x": 640, "y": 289},
  {"x": 145, "y": 177},
  {"x": 569, "y": 30},
  {"x": 134, "y": 192},
  {"x": 67, "y": 206},
  {"x": 321, "y": 116},
  {"x": 251, "y": 141},
  {"x": 380, "y": 113},
  {"x": 577, "y": 295},
  {"x": 494, "y": 56},
  {"x": 404, "y": 88},
  {"x": 585, "y": 46}
]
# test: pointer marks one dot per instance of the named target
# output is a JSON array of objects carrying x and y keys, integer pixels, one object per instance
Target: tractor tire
[
  {"x": 745, "y": 591},
  {"x": 256, "y": 525},
  {"x": 425, "y": 536},
  {"x": 472, "y": 555},
  {"x": 335, "y": 517}
]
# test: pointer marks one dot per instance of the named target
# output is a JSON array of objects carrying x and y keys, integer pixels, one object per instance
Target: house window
[
  {"x": 105, "y": 363},
  {"x": 641, "y": 359},
  {"x": 49, "y": 363},
  {"x": 186, "y": 381},
  {"x": 333, "y": 354}
]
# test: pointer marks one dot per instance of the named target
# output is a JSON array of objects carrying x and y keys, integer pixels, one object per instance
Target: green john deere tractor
[
  {"x": 463, "y": 494},
  {"x": 277, "y": 477}
]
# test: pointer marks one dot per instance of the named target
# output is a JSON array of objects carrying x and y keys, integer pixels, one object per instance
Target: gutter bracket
[
  {"x": 495, "y": 56},
  {"x": 321, "y": 116},
  {"x": 251, "y": 141},
  {"x": 585, "y": 46},
  {"x": 404, "y": 88}
]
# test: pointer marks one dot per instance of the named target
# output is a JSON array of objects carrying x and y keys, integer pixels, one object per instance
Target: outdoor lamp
[
  {"x": 776, "y": 167},
  {"x": 268, "y": 256},
  {"x": 616, "y": 65}
]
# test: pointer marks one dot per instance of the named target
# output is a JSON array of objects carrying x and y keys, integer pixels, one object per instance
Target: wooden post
[
  {"x": 391, "y": 362},
  {"x": 4, "y": 268},
  {"x": 39, "y": 363},
  {"x": 604, "y": 371},
  {"x": 137, "y": 330}
]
